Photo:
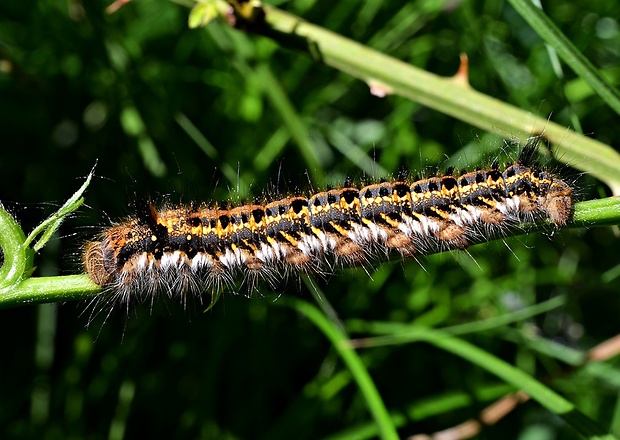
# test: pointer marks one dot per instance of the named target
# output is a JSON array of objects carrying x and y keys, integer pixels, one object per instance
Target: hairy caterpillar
[{"x": 192, "y": 249}]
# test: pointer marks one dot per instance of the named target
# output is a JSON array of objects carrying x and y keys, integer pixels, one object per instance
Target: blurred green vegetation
[{"x": 215, "y": 114}]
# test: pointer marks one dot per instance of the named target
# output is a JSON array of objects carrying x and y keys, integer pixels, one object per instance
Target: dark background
[{"x": 79, "y": 87}]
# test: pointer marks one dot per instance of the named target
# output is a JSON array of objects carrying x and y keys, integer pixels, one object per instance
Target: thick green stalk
[
  {"x": 446, "y": 95},
  {"x": 598, "y": 212}
]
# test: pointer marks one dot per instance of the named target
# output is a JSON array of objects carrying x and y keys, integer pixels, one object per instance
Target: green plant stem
[
  {"x": 443, "y": 94},
  {"x": 353, "y": 362},
  {"x": 591, "y": 213},
  {"x": 38, "y": 290},
  {"x": 18, "y": 258},
  {"x": 398, "y": 332},
  {"x": 599, "y": 212}
]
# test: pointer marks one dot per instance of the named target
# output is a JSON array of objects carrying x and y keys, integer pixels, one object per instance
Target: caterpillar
[{"x": 196, "y": 248}]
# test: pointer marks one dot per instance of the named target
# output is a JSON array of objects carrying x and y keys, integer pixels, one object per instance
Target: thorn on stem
[
  {"x": 461, "y": 77},
  {"x": 379, "y": 89},
  {"x": 116, "y": 6}
]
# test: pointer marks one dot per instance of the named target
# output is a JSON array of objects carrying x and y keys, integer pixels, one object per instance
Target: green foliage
[{"x": 217, "y": 114}]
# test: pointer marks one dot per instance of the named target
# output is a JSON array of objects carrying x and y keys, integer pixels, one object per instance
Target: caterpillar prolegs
[{"x": 198, "y": 248}]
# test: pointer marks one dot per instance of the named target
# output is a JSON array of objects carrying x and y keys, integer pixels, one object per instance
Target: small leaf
[
  {"x": 47, "y": 228},
  {"x": 203, "y": 13}
]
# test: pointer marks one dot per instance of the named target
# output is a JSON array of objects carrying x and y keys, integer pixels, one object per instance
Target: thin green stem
[
  {"x": 39, "y": 290},
  {"x": 549, "y": 32},
  {"x": 396, "y": 332},
  {"x": 290, "y": 117},
  {"x": 353, "y": 362},
  {"x": 203, "y": 143}
]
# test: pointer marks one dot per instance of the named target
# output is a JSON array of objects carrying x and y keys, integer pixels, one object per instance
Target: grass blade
[
  {"x": 353, "y": 362},
  {"x": 549, "y": 32}
]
